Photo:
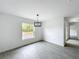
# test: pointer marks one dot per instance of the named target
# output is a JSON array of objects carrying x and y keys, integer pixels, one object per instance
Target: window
[{"x": 27, "y": 31}]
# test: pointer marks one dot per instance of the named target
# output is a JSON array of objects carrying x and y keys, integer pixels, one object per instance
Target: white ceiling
[{"x": 46, "y": 8}]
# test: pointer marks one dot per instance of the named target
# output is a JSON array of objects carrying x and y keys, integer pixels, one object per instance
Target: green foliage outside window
[{"x": 27, "y": 27}]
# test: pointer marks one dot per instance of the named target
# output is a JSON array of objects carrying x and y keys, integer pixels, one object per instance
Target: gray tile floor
[{"x": 42, "y": 50}]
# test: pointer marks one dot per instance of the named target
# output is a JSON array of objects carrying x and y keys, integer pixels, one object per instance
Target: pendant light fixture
[{"x": 37, "y": 23}]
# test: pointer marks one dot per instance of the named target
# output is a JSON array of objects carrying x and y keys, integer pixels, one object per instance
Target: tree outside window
[{"x": 27, "y": 31}]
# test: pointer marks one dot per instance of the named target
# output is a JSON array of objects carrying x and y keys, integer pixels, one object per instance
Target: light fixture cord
[{"x": 37, "y": 17}]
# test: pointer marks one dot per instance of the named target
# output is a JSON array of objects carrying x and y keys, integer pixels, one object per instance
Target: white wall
[
  {"x": 10, "y": 32},
  {"x": 54, "y": 30},
  {"x": 66, "y": 29},
  {"x": 77, "y": 30}
]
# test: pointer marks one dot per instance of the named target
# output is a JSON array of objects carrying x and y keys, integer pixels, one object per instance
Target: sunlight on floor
[{"x": 73, "y": 42}]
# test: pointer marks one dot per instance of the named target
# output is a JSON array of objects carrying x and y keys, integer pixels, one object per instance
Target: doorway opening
[{"x": 71, "y": 30}]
